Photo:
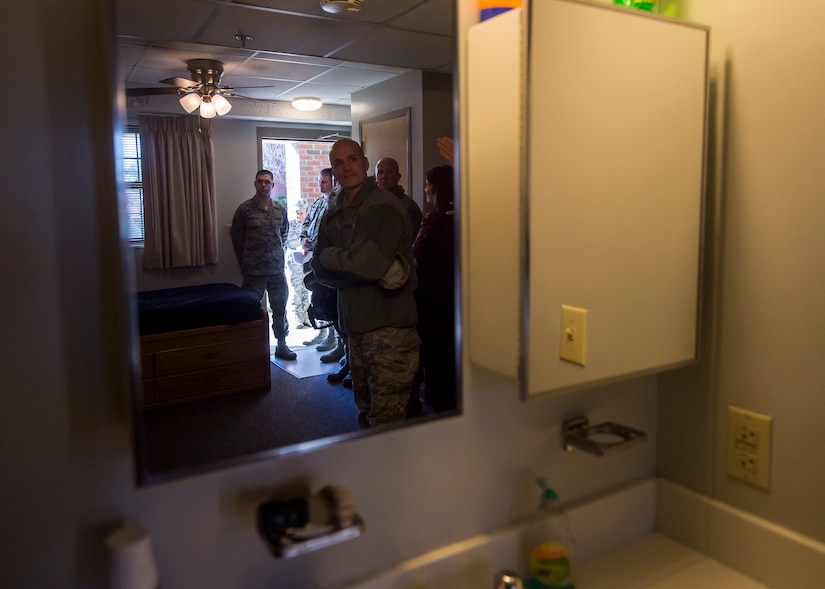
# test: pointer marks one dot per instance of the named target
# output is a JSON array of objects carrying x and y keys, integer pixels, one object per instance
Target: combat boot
[
  {"x": 335, "y": 354},
  {"x": 321, "y": 336},
  {"x": 283, "y": 352},
  {"x": 330, "y": 343},
  {"x": 340, "y": 374}
]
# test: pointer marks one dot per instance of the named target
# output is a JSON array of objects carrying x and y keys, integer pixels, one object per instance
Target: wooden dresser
[{"x": 194, "y": 364}]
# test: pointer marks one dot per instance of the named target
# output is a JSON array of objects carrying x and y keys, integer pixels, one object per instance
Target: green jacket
[{"x": 357, "y": 243}]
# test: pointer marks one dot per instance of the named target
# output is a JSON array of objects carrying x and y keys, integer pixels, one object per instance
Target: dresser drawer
[
  {"x": 180, "y": 360},
  {"x": 234, "y": 378}
]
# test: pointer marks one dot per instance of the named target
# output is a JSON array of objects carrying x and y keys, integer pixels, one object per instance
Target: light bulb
[
  {"x": 190, "y": 101},
  {"x": 222, "y": 105},
  {"x": 208, "y": 110}
]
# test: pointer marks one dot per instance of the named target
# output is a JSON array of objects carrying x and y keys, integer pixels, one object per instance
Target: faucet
[{"x": 507, "y": 580}]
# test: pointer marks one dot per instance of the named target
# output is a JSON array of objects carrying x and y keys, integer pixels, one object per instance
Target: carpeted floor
[{"x": 295, "y": 410}]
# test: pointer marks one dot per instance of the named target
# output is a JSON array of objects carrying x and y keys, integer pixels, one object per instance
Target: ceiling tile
[
  {"x": 296, "y": 48},
  {"x": 431, "y": 51},
  {"x": 435, "y": 16},
  {"x": 322, "y": 91},
  {"x": 277, "y": 32},
  {"x": 353, "y": 76},
  {"x": 374, "y": 11},
  {"x": 271, "y": 69}
]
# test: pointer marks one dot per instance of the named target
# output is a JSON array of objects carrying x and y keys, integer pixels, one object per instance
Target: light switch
[{"x": 573, "y": 346}]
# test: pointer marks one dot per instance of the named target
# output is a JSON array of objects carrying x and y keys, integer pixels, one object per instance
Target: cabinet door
[
  {"x": 615, "y": 157},
  {"x": 586, "y": 181}
]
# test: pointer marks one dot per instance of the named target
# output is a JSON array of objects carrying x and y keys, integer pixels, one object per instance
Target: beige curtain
[{"x": 178, "y": 192}]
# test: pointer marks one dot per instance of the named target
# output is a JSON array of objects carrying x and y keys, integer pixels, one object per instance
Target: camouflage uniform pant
[
  {"x": 275, "y": 288},
  {"x": 300, "y": 294},
  {"x": 383, "y": 364}
]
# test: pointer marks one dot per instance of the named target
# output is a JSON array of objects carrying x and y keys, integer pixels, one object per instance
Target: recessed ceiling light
[
  {"x": 342, "y": 6},
  {"x": 307, "y": 103}
]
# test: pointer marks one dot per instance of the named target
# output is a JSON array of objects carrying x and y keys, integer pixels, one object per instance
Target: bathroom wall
[
  {"x": 765, "y": 327},
  {"x": 66, "y": 435}
]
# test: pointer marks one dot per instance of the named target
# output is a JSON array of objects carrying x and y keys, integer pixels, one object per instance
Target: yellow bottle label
[{"x": 550, "y": 564}]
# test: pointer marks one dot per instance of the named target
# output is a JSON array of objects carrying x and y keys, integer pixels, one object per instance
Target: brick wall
[{"x": 314, "y": 158}]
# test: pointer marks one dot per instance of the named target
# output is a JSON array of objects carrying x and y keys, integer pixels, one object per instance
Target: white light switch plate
[{"x": 573, "y": 335}]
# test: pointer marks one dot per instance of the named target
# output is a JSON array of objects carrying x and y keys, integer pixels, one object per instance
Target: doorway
[{"x": 296, "y": 166}]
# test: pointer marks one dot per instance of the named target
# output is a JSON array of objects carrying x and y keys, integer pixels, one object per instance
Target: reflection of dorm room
[{"x": 208, "y": 352}]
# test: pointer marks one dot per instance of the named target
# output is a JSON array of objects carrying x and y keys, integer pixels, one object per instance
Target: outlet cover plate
[{"x": 749, "y": 440}]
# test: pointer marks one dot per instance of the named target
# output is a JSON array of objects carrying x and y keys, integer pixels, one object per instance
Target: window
[{"x": 133, "y": 182}]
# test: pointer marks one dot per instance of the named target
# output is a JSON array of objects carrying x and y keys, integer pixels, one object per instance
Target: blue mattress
[{"x": 192, "y": 307}]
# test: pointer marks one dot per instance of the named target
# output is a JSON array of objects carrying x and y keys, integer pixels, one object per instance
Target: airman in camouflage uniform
[
  {"x": 387, "y": 177},
  {"x": 259, "y": 232},
  {"x": 328, "y": 339},
  {"x": 300, "y": 294},
  {"x": 364, "y": 239}
]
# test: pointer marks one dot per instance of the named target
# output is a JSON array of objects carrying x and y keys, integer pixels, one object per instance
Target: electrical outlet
[{"x": 749, "y": 446}]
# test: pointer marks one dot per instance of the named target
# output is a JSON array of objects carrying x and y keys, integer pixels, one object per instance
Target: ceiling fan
[{"x": 203, "y": 91}]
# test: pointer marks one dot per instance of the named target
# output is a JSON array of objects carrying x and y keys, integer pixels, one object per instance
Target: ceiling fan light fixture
[
  {"x": 222, "y": 105},
  {"x": 342, "y": 6},
  {"x": 190, "y": 101},
  {"x": 208, "y": 110},
  {"x": 307, "y": 103}
]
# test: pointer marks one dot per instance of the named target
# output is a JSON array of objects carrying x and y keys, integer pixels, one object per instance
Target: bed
[{"x": 201, "y": 341}]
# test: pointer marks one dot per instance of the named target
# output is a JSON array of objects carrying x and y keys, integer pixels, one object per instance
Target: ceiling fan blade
[
  {"x": 150, "y": 91},
  {"x": 233, "y": 95},
  {"x": 180, "y": 82}
]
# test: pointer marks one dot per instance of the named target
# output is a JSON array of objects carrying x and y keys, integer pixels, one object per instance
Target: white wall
[
  {"x": 66, "y": 438},
  {"x": 765, "y": 329}
]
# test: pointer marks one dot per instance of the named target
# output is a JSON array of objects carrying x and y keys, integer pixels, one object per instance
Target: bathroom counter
[
  {"x": 651, "y": 561},
  {"x": 654, "y": 561},
  {"x": 618, "y": 548}
]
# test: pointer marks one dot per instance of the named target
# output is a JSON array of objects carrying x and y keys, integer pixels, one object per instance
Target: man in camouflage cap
[{"x": 259, "y": 233}]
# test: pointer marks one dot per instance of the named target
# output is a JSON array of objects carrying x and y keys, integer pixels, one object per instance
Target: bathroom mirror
[{"x": 384, "y": 58}]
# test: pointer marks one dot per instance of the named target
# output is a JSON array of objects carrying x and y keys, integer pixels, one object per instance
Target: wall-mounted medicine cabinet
[{"x": 586, "y": 155}]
